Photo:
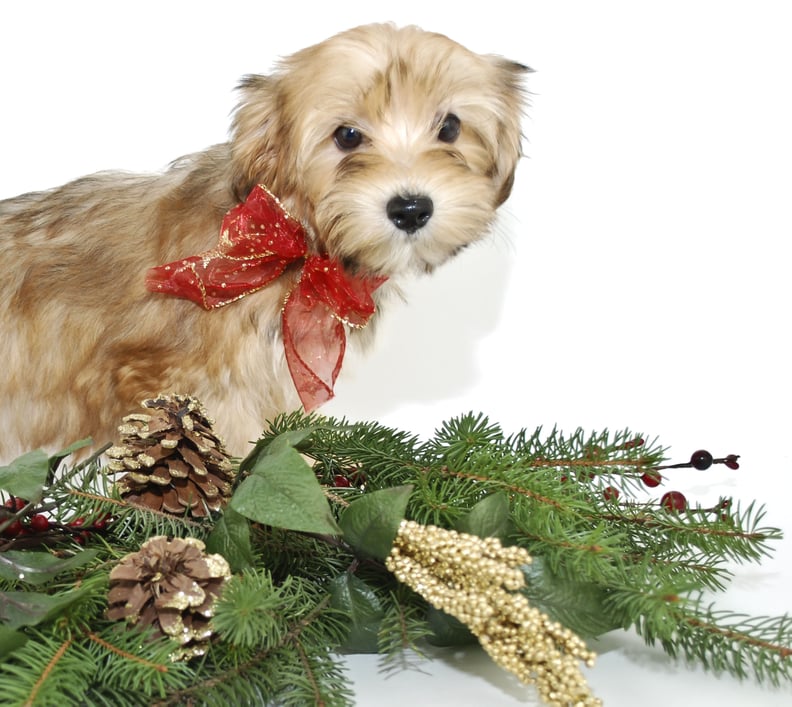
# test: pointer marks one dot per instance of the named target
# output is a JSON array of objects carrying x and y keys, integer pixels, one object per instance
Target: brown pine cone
[
  {"x": 171, "y": 585},
  {"x": 174, "y": 461}
]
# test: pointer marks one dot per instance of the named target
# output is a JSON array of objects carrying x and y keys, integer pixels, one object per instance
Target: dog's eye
[
  {"x": 449, "y": 129},
  {"x": 347, "y": 138}
]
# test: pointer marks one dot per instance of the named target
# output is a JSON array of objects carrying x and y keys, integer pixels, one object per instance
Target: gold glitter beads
[{"x": 476, "y": 580}]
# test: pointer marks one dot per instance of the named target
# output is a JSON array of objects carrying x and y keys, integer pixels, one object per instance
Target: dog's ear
[
  {"x": 511, "y": 76},
  {"x": 254, "y": 134}
]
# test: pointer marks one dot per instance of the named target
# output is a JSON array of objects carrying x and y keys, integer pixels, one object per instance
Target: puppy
[{"x": 388, "y": 149}]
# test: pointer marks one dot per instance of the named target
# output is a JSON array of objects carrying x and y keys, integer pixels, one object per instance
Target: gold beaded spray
[{"x": 475, "y": 580}]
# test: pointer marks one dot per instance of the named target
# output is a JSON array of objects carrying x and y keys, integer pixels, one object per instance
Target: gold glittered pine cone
[
  {"x": 174, "y": 462},
  {"x": 172, "y": 585}
]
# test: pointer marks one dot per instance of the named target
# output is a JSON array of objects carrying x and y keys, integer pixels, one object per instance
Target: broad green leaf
[
  {"x": 370, "y": 523},
  {"x": 291, "y": 438},
  {"x": 39, "y": 567},
  {"x": 10, "y": 640},
  {"x": 488, "y": 518},
  {"x": 360, "y": 602},
  {"x": 580, "y": 606},
  {"x": 55, "y": 460},
  {"x": 31, "y": 608},
  {"x": 26, "y": 475},
  {"x": 231, "y": 539},
  {"x": 283, "y": 491},
  {"x": 447, "y": 630}
]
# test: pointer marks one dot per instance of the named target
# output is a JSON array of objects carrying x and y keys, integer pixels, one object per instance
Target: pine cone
[
  {"x": 171, "y": 585},
  {"x": 174, "y": 461}
]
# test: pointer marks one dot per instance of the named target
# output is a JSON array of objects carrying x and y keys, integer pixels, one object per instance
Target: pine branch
[
  {"x": 724, "y": 641},
  {"x": 125, "y": 657},
  {"x": 402, "y": 631},
  {"x": 272, "y": 669},
  {"x": 604, "y": 557},
  {"x": 56, "y": 658},
  {"x": 46, "y": 670}
]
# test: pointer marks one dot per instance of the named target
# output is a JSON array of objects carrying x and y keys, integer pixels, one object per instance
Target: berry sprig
[
  {"x": 34, "y": 524},
  {"x": 343, "y": 478},
  {"x": 701, "y": 459},
  {"x": 22, "y": 521}
]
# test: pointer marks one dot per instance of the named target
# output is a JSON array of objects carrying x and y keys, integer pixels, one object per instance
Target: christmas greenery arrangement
[{"x": 203, "y": 580}]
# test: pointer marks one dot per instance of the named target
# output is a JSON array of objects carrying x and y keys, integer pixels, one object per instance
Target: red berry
[
  {"x": 594, "y": 451},
  {"x": 15, "y": 503},
  {"x": 652, "y": 478},
  {"x": 673, "y": 501},
  {"x": 731, "y": 461},
  {"x": 77, "y": 522},
  {"x": 13, "y": 530},
  {"x": 358, "y": 478},
  {"x": 341, "y": 481},
  {"x": 610, "y": 494},
  {"x": 39, "y": 523},
  {"x": 701, "y": 460}
]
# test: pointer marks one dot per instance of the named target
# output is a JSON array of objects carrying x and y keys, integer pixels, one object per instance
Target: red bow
[{"x": 258, "y": 241}]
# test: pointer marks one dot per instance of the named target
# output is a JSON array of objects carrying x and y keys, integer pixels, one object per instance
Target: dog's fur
[{"x": 81, "y": 340}]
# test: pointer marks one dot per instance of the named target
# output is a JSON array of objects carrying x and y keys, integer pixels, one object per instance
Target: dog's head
[{"x": 394, "y": 146}]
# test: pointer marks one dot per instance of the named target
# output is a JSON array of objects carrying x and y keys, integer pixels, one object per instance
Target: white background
[{"x": 639, "y": 276}]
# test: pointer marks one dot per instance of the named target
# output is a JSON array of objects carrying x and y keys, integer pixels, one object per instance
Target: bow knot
[{"x": 258, "y": 240}]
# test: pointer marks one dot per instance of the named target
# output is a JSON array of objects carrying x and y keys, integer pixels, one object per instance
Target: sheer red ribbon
[{"x": 258, "y": 241}]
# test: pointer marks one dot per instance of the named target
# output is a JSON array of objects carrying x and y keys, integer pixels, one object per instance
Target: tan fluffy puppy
[{"x": 394, "y": 147}]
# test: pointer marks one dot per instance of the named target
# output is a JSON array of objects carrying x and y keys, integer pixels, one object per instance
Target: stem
[
  {"x": 318, "y": 701},
  {"x": 46, "y": 672},
  {"x": 739, "y": 636},
  {"x": 128, "y": 656},
  {"x": 509, "y": 487}
]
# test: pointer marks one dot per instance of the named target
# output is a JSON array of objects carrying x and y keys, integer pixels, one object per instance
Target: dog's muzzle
[{"x": 411, "y": 212}]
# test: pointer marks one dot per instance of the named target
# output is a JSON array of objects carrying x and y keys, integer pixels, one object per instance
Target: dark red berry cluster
[
  {"x": 26, "y": 525},
  {"x": 354, "y": 478},
  {"x": 701, "y": 459},
  {"x": 35, "y": 524},
  {"x": 81, "y": 532}
]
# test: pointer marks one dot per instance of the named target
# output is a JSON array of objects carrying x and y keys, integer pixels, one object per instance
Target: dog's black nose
[{"x": 411, "y": 212}]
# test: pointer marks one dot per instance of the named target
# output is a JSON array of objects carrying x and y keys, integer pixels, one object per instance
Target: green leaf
[
  {"x": 290, "y": 438},
  {"x": 488, "y": 518},
  {"x": 370, "y": 524},
  {"x": 231, "y": 539},
  {"x": 362, "y": 605},
  {"x": 39, "y": 567},
  {"x": 26, "y": 475},
  {"x": 31, "y": 608},
  {"x": 10, "y": 640},
  {"x": 581, "y": 606},
  {"x": 447, "y": 630},
  {"x": 283, "y": 491},
  {"x": 55, "y": 460}
]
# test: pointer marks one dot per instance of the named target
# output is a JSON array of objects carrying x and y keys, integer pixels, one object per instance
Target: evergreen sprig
[{"x": 313, "y": 517}]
